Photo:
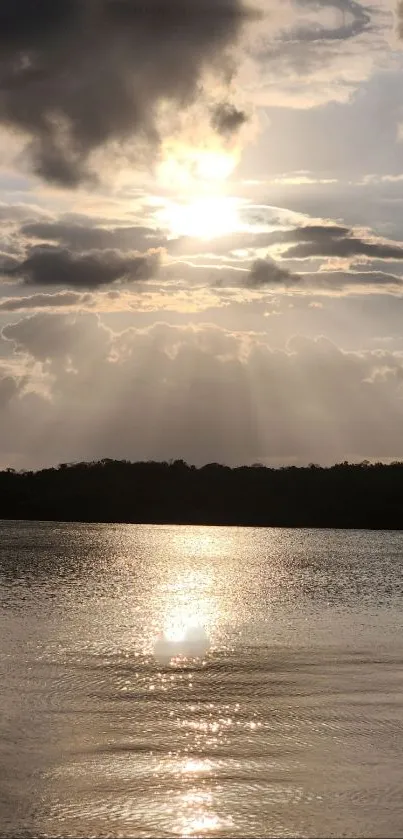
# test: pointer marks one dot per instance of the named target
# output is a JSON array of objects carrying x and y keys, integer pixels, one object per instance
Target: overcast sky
[{"x": 201, "y": 246}]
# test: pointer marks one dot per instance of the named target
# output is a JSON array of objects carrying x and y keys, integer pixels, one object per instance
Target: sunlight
[
  {"x": 179, "y": 644},
  {"x": 198, "y": 816},
  {"x": 176, "y": 629},
  {"x": 193, "y": 169},
  {"x": 202, "y": 218},
  {"x": 182, "y": 617},
  {"x": 198, "y": 175},
  {"x": 190, "y": 610},
  {"x": 185, "y": 603},
  {"x": 214, "y": 166},
  {"x": 192, "y": 766}
]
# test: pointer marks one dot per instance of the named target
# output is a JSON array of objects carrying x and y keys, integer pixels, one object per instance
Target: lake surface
[{"x": 292, "y": 725}]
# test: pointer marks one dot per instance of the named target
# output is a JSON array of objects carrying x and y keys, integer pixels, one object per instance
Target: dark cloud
[
  {"x": 49, "y": 265},
  {"x": 312, "y": 232},
  {"x": 7, "y": 263},
  {"x": 85, "y": 237},
  {"x": 266, "y": 272},
  {"x": 303, "y": 242},
  {"x": 76, "y": 74},
  {"x": 334, "y": 241},
  {"x": 227, "y": 119}
]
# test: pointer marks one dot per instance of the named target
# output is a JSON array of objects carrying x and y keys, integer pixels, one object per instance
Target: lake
[{"x": 291, "y": 725}]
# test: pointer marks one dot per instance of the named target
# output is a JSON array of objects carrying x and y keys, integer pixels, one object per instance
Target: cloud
[
  {"x": 332, "y": 240},
  {"x": 88, "y": 255},
  {"x": 49, "y": 265},
  {"x": 300, "y": 242},
  {"x": 353, "y": 19},
  {"x": 367, "y": 281},
  {"x": 399, "y": 14},
  {"x": 7, "y": 263},
  {"x": 51, "y": 337},
  {"x": 236, "y": 260},
  {"x": 304, "y": 242},
  {"x": 319, "y": 52},
  {"x": 266, "y": 272},
  {"x": 21, "y": 212},
  {"x": 9, "y": 387},
  {"x": 76, "y": 75},
  {"x": 44, "y": 301},
  {"x": 86, "y": 237},
  {"x": 227, "y": 119},
  {"x": 197, "y": 392}
]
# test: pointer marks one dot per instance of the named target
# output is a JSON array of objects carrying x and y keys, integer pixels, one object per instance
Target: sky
[{"x": 201, "y": 231}]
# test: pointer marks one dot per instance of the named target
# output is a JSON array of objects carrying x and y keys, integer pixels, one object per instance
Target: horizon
[
  {"x": 346, "y": 495},
  {"x": 198, "y": 467}
]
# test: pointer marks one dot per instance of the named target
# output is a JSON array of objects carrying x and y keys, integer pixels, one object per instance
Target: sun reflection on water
[
  {"x": 189, "y": 591},
  {"x": 193, "y": 766},
  {"x": 190, "y": 606},
  {"x": 188, "y": 598},
  {"x": 202, "y": 542},
  {"x": 197, "y": 815}
]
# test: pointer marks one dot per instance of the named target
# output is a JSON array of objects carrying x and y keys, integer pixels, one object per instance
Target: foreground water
[{"x": 292, "y": 725}]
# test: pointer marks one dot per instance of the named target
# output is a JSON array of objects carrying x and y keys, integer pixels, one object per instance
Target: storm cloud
[{"x": 77, "y": 74}]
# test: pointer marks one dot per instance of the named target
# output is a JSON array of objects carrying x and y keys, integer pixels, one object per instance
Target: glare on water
[{"x": 285, "y": 718}]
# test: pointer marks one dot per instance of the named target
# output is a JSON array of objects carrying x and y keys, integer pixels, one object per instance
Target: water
[{"x": 292, "y": 725}]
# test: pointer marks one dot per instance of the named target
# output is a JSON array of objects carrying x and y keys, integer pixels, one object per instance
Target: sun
[
  {"x": 214, "y": 166},
  {"x": 192, "y": 169},
  {"x": 198, "y": 176},
  {"x": 201, "y": 218}
]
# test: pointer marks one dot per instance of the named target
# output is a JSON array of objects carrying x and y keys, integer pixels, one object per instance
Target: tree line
[{"x": 344, "y": 495}]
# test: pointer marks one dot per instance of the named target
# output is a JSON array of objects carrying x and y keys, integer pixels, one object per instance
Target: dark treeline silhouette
[{"x": 345, "y": 495}]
